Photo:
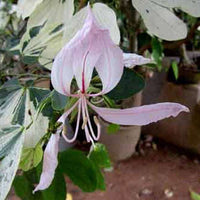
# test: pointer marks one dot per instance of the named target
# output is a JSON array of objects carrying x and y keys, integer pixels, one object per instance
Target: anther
[
  {"x": 84, "y": 123},
  {"x": 96, "y": 120}
]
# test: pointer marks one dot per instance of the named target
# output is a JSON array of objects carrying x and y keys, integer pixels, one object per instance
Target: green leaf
[
  {"x": 194, "y": 195},
  {"x": 100, "y": 179},
  {"x": 99, "y": 155},
  {"x": 31, "y": 158},
  {"x": 30, "y": 59},
  {"x": 57, "y": 190},
  {"x": 130, "y": 84},
  {"x": 34, "y": 31},
  {"x": 157, "y": 52},
  {"x": 9, "y": 164},
  {"x": 80, "y": 169},
  {"x": 175, "y": 69},
  {"x": 24, "y": 186},
  {"x": 45, "y": 106},
  {"x": 24, "y": 189},
  {"x": 58, "y": 100},
  {"x": 113, "y": 128}
]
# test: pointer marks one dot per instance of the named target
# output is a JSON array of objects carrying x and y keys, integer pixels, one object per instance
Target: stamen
[
  {"x": 77, "y": 126},
  {"x": 98, "y": 127},
  {"x": 84, "y": 123},
  {"x": 89, "y": 122},
  {"x": 87, "y": 134}
]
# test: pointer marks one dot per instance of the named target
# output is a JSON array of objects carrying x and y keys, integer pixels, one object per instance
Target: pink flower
[{"x": 92, "y": 48}]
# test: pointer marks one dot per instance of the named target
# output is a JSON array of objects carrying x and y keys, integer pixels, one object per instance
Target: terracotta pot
[
  {"x": 121, "y": 145},
  {"x": 184, "y": 130}
]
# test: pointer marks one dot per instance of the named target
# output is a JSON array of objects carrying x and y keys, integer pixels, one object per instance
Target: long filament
[
  {"x": 89, "y": 122},
  {"x": 77, "y": 126},
  {"x": 87, "y": 133}
]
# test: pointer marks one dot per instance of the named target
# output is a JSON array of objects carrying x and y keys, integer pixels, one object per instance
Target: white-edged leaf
[
  {"x": 38, "y": 43},
  {"x": 53, "y": 46},
  {"x": 4, "y": 18},
  {"x": 191, "y": 7},
  {"x": 9, "y": 165},
  {"x": 38, "y": 123},
  {"x": 8, "y": 136},
  {"x": 160, "y": 21},
  {"x": 18, "y": 105},
  {"x": 51, "y": 12},
  {"x": 26, "y": 7},
  {"x": 11, "y": 97}
]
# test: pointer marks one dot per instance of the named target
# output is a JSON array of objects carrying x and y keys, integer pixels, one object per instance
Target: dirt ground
[
  {"x": 165, "y": 173},
  {"x": 159, "y": 174}
]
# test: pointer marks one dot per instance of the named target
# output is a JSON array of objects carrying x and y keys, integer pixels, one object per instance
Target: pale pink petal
[
  {"x": 82, "y": 52},
  {"x": 63, "y": 117},
  {"x": 50, "y": 163},
  {"x": 62, "y": 73},
  {"x": 131, "y": 60},
  {"x": 141, "y": 115},
  {"x": 110, "y": 65}
]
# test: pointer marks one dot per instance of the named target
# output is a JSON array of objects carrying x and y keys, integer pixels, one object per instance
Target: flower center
[{"x": 86, "y": 125}]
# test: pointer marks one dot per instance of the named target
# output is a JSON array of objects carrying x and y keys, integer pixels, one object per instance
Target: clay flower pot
[{"x": 120, "y": 145}]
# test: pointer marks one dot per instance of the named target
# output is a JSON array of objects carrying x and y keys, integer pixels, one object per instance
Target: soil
[{"x": 160, "y": 173}]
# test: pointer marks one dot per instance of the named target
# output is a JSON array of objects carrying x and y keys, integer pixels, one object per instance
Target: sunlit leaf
[
  {"x": 160, "y": 21},
  {"x": 51, "y": 12},
  {"x": 4, "y": 18},
  {"x": 190, "y": 7},
  {"x": 26, "y": 7},
  {"x": 175, "y": 69},
  {"x": 194, "y": 195},
  {"x": 99, "y": 155},
  {"x": 31, "y": 158},
  {"x": 18, "y": 105}
]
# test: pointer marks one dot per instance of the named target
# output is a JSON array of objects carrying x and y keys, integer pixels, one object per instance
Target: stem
[
  {"x": 133, "y": 23},
  {"x": 184, "y": 56}
]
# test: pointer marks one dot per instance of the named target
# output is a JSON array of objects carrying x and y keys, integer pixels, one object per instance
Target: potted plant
[
  {"x": 181, "y": 85},
  {"x": 90, "y": 76}
]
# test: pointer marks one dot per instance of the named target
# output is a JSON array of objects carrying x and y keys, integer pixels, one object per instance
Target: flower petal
[
  {"x": 131, "y": 60},
  {"x": 50, "y": 163},
  {"x": 110, "y": 65},
  {"x": 79, "y": 56},
  {"x": 141, "y": 115},
  {"x": 62, "y": 73}
]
